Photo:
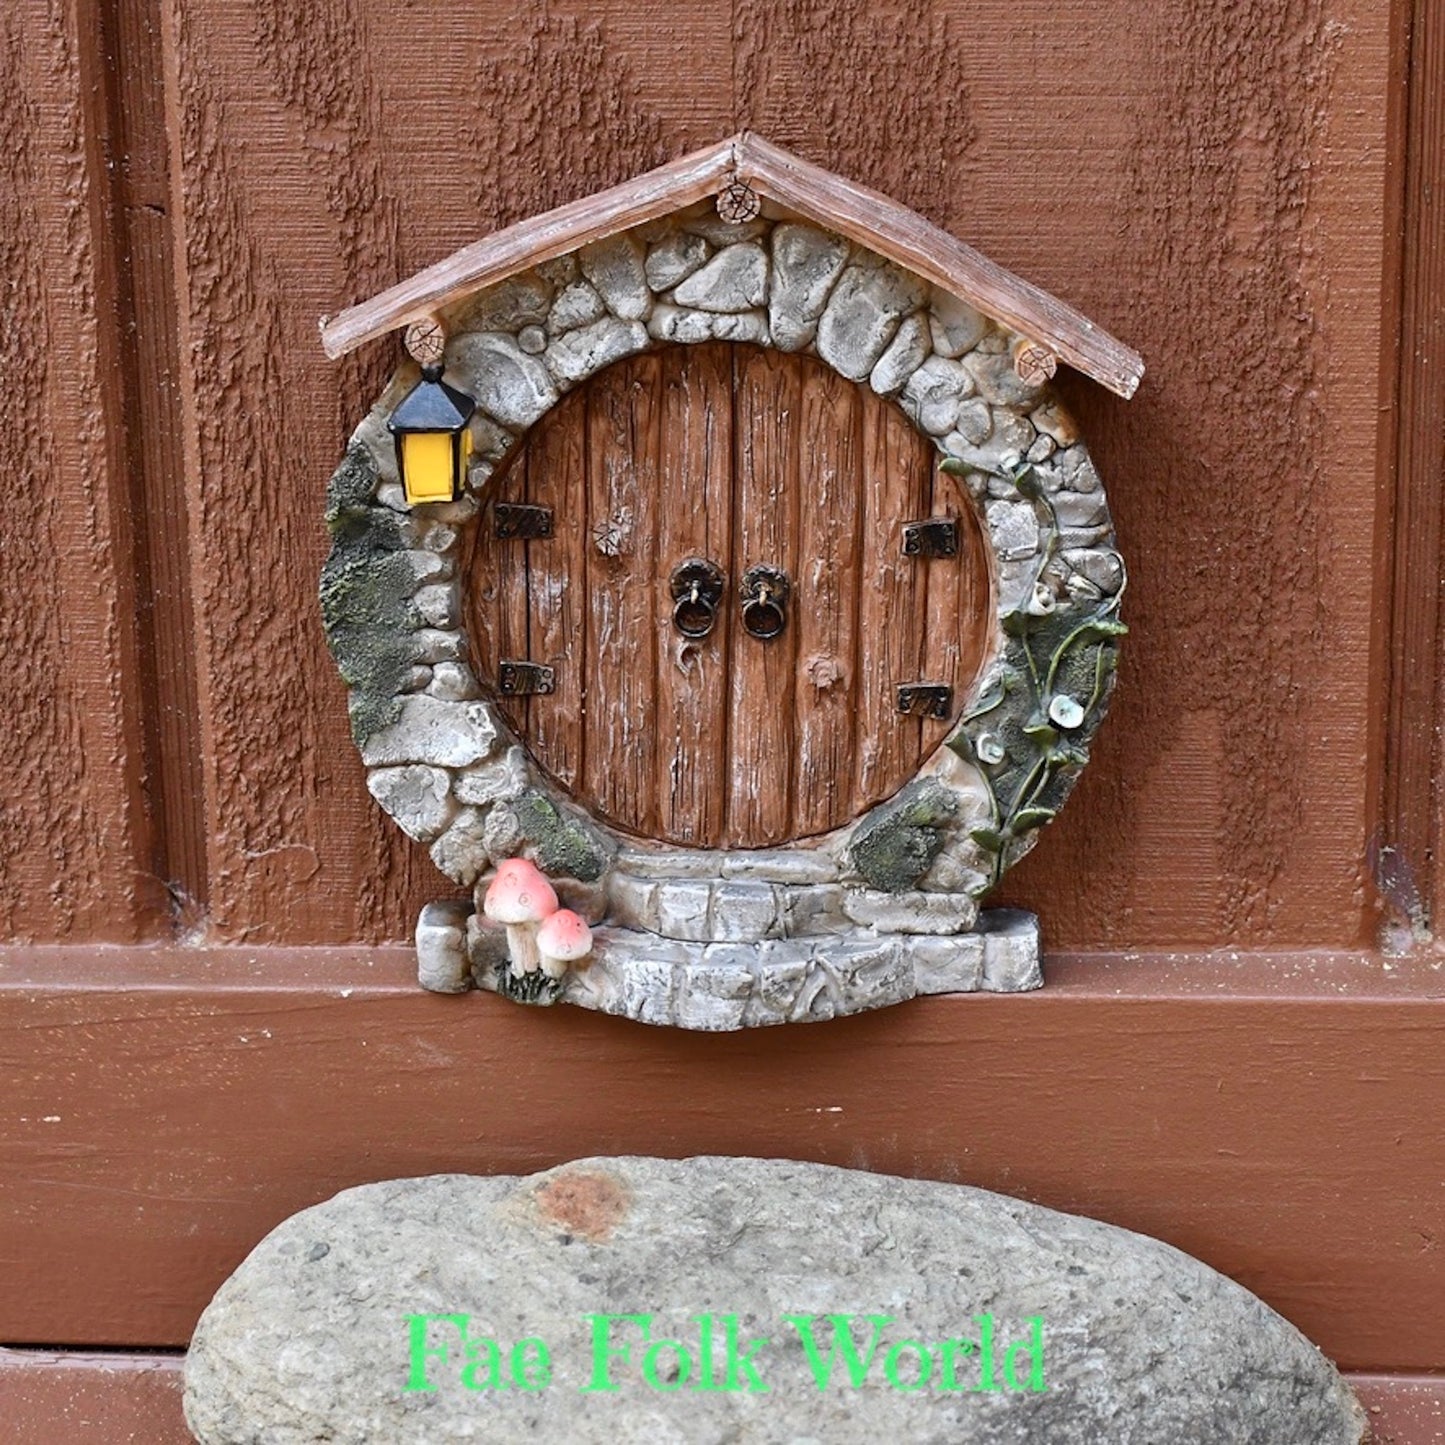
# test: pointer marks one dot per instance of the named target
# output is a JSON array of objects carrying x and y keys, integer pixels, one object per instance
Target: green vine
[{"x": 1028, "y": 736}]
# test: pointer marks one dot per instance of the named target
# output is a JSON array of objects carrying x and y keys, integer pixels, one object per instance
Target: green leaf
[
  {"x": 987, "y": 838},
  {"x": 1037, "y": 727},
  {"x": 1027, "y": 819}
]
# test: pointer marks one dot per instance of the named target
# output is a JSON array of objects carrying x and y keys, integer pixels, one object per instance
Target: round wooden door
[{"x": 743, "y": 458}]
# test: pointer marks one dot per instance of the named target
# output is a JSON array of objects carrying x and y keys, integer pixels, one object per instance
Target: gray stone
[
  {"x": 453, "y": 681},
  {"x": 1095, "y": 1334},
  {"x": 1010, "y": 951},
  {"x": 675, "y": 323},
  {"x": 783, "y": 865},
  {"x": 440, "y": 605},
  {"x": 461, "y": 852},
  {"x": 1081, "y": 509},
  {"x": 1079, "y": 471},
  {"x": 440, "y": 645},
  {"x": 560, "y": 271},
  {"x": 502, "y": 831},
  {"x": 974, "y": 420},
  {"x": 682, "y": 910},
  {"x": 743, "y": 912},
  {"x": 998, "y": 382},
  {"x": 442, "y": 964},
  {"x": 581, "y": 353},
  {"x": 913, "y": 912},
  {"x": 954, "y": 326},
  {"x": 1051, "y": 419},
  {"x": 674, "y": 259},
  {"x": 511, "y": 304},
  {"x": 616, "y": 268},
  {"x": 863, "y": 312},
  {"x": 633, "y": 901},
  {"x": 669, "y": 863},
  {"x": 1105, "y": 569},
  {"x": 578, "y": 305},
  {"x": 1042, "y": 449},
  {"x": 508, "y": 385},
  {"x": 497, "y": 780},
  {"x": 901, "y": 357},
  {"x": 806, "y": 263},
  {"x": 1014, "y": 528},
  {"x": 933, "y": 394},
  {"x": 429, "y": 730},
  {"x": 736, "y": 279},
  {"x": 1010, "y": 436},
  {"x": 532, "y": 340},
  {"x": 416, "y": 797},
  {"x": 719, "y": 232}
]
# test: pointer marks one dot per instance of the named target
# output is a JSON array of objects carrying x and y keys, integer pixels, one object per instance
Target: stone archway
[{"x": 445, "y": 765}]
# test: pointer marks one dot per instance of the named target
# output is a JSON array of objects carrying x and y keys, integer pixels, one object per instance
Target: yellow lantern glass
[{"x": 433, "y": 439}]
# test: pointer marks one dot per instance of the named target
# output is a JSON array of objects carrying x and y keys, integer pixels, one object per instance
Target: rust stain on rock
[{"x": 584, "y": 1202}]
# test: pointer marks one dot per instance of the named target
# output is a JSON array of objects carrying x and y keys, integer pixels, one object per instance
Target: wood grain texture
[
  {"x": 1208, "y": 188},
  {"x": 1407, "y": 868},
  {"x": 1277, "y": 1117},
  {"x": 131, "y": 1399},
  {"x": 743, "y": 458},
  {"x": 75, "y": 853}
]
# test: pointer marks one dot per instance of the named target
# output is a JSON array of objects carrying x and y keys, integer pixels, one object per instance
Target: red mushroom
[
  {"x": 562, "y": 938},
  {"x": 520, "y": 897}
]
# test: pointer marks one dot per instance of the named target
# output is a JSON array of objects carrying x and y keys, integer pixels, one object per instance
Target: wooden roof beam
[{"x": 817, "y": 195}]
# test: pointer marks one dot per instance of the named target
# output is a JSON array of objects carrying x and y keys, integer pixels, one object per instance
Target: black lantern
[{"x": 433, "y": 442}]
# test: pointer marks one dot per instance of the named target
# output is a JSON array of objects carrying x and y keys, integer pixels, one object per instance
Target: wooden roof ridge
[{"x": 862, "y": 215}]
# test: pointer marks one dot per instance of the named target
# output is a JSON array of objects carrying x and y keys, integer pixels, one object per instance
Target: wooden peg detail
[
  {"x": 1033, "y": 362},
  {"x": 425, "y": 341},
  {"x": 738, "y": 202}
]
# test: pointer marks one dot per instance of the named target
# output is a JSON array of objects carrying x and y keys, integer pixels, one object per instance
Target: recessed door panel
[{"x": 744, "y": 459}]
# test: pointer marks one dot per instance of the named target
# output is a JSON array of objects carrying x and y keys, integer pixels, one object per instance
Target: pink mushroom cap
[
  {"x": 519, "y": 894},
  {"x": 564, "y": 936}
]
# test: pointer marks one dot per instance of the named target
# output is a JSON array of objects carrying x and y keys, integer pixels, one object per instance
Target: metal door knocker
[
  {"x": 697, "y": 588},
  {"x": 765, "y": 601}
]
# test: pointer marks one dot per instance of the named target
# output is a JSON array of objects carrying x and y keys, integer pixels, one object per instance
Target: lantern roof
[
  {"x": 432, "y": 405},
  {"x": 796, "y": 186}
]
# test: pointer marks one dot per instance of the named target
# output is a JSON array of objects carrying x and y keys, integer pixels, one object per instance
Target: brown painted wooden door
[{"x": 743, "y": 457}]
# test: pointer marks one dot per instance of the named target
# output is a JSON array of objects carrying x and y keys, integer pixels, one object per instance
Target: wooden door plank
[
  {"x": 959, "y": 611},
  {"x": 495, "y": 593},
  {"x": 768, "y": 395},
  {"x": 695, "y": 503},
  {"x": 622, "y": 447},
  {"x": 829, "y": 547},
  {"x": 892, "y": 597},
  {"x": 557, "y": 588}
]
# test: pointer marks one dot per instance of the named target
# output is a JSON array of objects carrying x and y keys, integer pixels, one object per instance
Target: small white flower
[
  {"x": 1065, "y": 712},
  {"x": 989, "y": 748}
]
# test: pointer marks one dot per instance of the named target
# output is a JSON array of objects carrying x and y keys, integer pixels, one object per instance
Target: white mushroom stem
[
  {"x": 522, "y": 947},
  {"x": 552, "y": 967}
]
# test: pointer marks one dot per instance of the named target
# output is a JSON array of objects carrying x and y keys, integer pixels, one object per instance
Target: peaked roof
[{"x": 842, "y": 206}]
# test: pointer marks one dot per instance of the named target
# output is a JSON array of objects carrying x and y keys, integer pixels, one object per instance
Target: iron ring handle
[
  {"x": 694, "y": 615},
  {"x": 697, "y": 588},
  {"x": 765, "y": 602}
]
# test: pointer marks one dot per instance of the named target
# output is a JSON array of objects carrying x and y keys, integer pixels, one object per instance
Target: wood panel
[
  {"x": 1227, "y": 804},
  {"x": 1407, "y": 868},
  {"x": 892, "y": 591},
  {"x": 831, "y": 550},
  {"x": 76, "y": 855},
  {"x": 619, "y": 764},
  {"x": 743, "y": 458},
  {"x": 130, "y": 1399},
  {"x": 762, "y": 699},
  {"x": 557, "y": 590},
  {"x": 695, "y": 519},
  {"x": 496, "y": 597},
  {"x": 1276, "y": 1116}
]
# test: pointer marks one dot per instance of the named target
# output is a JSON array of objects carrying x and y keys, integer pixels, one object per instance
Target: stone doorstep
[{"x": 714, "y": 986}]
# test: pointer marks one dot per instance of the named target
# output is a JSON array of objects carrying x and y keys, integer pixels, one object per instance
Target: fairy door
[{"x": 706, "y": 556}]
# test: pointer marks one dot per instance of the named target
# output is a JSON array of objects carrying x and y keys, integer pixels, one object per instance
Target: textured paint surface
[
  {"x": 1196, "y": 207},
  {"x": 1204, "y": 184}
]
